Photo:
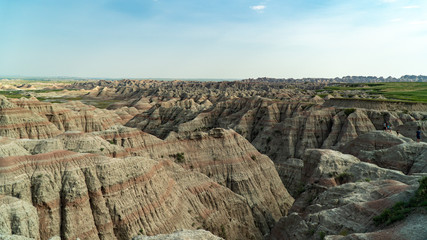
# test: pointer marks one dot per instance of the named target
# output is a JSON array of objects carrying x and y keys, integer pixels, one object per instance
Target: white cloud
[
  {"x": 258, "y": 7},
  {"x": 411, "y": 7}
]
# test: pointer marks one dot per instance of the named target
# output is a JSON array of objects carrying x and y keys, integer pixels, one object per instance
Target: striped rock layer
[{"x": 88, "y": 196}]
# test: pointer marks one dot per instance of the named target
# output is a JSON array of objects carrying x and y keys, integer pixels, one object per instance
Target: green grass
[
  {"x": 179, "y": 157},
  {"x": 401, "y": 210},
  {"x": 406, "y": 91},
  {"x": 13, "y": 94},
  {"x": 25, "y": 93}
]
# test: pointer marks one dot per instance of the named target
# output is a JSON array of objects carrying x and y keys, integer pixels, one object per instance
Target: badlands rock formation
[
  {"x": 182, "y": 235},
  {"x": 167, "y": 156}
]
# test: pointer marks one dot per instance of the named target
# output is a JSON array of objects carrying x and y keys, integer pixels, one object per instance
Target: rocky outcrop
[
  {"x": 413, "y": 228},
  {"x": 18, "y": 217},
  {"x": 182, "y": 235},
  {"x": 371, "y": 141},
  {"x": 389, "y": 151},
  {"x": 345, "y": 209},
  {"x": 341, "y": 195},
  {"x": 225, "y": 157},
  {"x": 70, "y": 116},
  {"x": 229, "y": 159},
  {"x": 93, "y": 197},
  {"x": 17, "y": 122}
]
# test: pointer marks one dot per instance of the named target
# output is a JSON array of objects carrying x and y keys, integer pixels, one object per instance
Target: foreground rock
[
  {"x": 341, "y": 196},
  {"x": 224, "y": 156},
  {"x": 92, "y": 197},
  {"x": 182, "y": 235},
  {"x": 389, "y": 151}
]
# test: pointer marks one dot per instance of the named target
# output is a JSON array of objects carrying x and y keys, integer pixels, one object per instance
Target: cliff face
[
  {"x": 224, "y": 156},
  {"x": 341, "y": 196},
  {"x": 17, "y": 122},
  {"x": 94, "y": 197},
  {"x": 223, "y": 183},
  {"x": 74, "y": 171},
  {"x": 280, "y": 129}
]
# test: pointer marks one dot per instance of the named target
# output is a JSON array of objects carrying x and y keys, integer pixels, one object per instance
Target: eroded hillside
[{"x": 227, "y": 157}]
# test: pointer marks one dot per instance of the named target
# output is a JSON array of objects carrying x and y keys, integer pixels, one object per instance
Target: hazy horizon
[{"x": 213, "y": 39}]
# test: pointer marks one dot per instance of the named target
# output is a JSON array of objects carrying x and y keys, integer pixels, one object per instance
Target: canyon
[{"x": 251, "y": 159}]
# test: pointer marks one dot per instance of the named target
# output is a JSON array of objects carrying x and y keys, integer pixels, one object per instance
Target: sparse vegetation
[
  {"x": 344, "y": 232},
  {"x": 401, "y": 210},
  {"x": 322, "y": 235},
  {"x": 301, "y": 189},
  {"x": 179, "y": 157},
  {"x": 223, "y": 234},
  {"x": 349, "y": 111},
  {"x": 343, "y": 177},
  {"x": 401, "y": 91},
  {"x": 14, "y": 94}
]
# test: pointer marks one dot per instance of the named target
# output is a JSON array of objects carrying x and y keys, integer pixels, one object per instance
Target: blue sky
[{"x": 213, "y": 38}]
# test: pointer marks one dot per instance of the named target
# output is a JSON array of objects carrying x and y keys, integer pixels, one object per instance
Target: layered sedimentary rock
[
  {"x": 225, "y": 157},
  {"x": 388, "y": 150},
  {"x": 205, "y": 167},
  {"x": 18, "y": 217},
  {"x": 345, "y": 209},
  {"x": 412, "y": 228},
  {"x": 70, "y": 116},
  {"x": 17, "y": 122},
  {"x": 182, "y": 235},
  {"x": 93, "y": 197},
  {"x": 341, "y": 195}
]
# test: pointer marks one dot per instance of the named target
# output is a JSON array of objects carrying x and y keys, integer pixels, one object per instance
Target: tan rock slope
[
  {"x": 167, "y": 156},
  {"x": 93, "y": 197}
]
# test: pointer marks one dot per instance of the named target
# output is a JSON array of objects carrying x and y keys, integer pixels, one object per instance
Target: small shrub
[
  {"x": 300, "y": 189},
  {"x": 343, "y": 177},
  {"x": 253, "y": 157},
  {"x": 344, "y": 232},
  {"x": 349, "y": 111},
  {"x": 179, "y": 157},
  {"x": 223, "y": 234},
  {"x": 332, "y": 174},
  {"x": 400, "y": 210},
  {"x": 322, "y": 235},
  {"x": 367, "y": 180},
  {"x": 141, "y": 231},
  {"x": 311, "y": 199},
  {"x": 102, "y": 149}
]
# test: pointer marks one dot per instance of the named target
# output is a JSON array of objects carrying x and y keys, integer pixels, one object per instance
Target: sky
[{"x": 213, "y": 38}]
